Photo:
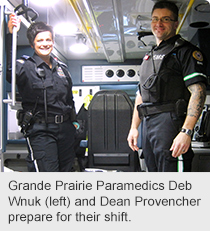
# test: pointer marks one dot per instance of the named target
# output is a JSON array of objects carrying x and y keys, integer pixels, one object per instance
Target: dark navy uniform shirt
[
  {"x": 177, "y": 67},
  {"x": 31, "y": 85}
]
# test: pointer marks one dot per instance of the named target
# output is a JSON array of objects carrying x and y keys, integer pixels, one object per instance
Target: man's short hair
[
  {"x": 168, "y": 5},
  {"x": 36, "y": 28}
]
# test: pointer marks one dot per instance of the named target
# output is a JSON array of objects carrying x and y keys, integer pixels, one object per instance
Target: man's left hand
[{"x": 180, "y": 144}]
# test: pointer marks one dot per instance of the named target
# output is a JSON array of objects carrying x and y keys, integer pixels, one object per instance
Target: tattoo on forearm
[{"x": 197, "y": 100}]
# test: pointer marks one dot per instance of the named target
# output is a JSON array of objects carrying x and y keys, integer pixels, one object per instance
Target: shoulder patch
[
  {"x": 60, "y": 72},
  {"x": 198, "y": 56}
]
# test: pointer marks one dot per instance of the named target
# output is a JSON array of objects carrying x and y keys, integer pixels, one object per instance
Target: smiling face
[
  {"x": 163, "y": 30},
  {"x": 43, "y": 44}
]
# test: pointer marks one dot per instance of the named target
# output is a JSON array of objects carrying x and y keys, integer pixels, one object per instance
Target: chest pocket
[
  {"x": 171, "y": 65},
  {"x": 41, "y": 82},
  {"x": 47, "y": 83}
]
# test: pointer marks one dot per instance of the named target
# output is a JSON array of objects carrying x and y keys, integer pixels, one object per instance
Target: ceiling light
[
  {"x": 44, "y": 3},
  {"x": 65, "y": 29},
  {"x": 79, "y": 48}
]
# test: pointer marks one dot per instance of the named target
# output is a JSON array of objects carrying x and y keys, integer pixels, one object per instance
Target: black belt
[
  {"x": 145, "y": 110},
  {"x": 57, "y": 119}
]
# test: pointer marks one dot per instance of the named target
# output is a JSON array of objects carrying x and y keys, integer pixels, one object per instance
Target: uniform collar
[
  {"x": 39, "y": 61},
  {"x": 169, "y": 41}
]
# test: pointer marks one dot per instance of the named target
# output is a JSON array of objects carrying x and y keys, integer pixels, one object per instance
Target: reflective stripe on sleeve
[{"x": 195, "y": 74}]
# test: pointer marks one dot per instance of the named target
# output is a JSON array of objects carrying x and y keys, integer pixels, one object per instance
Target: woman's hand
[{"x": 13, "y": 21}]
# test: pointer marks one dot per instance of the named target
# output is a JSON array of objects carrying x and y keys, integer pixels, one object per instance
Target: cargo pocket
[
  {"x": 169, "y": 162},
  {"x": 36, "y": 163}
]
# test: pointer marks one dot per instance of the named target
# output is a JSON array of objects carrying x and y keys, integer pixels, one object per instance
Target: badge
[
  {"x": 146, "y": 57},
  {"x": 198, "y": 56},
  {"x": 60, "y": 72}
]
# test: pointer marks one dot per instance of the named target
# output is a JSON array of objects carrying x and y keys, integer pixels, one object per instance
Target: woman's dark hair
[
  {"x": 36, "y": 28},
  {"x": 168, "y": 5}
]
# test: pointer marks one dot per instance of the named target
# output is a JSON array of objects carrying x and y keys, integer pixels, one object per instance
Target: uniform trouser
[
  {"x": 51, "y": 147},
  {"x": 159, "y": 132}
]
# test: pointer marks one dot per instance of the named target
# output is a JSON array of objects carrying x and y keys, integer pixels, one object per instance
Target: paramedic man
[
  {"x": 180, "y": 75},
  {"x": 46, "y": 89}
]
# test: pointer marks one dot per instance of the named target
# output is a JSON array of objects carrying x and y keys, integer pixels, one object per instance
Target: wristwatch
[{"x": 189, "y": 132}]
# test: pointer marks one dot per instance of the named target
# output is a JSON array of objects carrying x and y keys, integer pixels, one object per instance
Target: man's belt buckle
[{"x": 59, "y": 119}]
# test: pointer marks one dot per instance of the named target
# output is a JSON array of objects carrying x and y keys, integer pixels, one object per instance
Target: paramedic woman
[{"x": 48, "y": 108}]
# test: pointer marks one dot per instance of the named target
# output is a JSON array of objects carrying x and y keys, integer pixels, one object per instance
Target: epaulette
[
  {"x": 180, "y": 42},
  {"x": 62, "y": 64},
  {"x": 23, "y": 59}
]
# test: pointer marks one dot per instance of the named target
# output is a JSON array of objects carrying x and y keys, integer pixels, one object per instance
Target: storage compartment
[
  {"x": 111, "y": 159},
  {"x": 201, "y": 160}
]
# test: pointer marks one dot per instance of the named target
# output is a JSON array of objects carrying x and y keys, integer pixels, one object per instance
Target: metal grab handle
[
  {"x": 13, "y": 82},
  {"x": 25, "y": 11}
]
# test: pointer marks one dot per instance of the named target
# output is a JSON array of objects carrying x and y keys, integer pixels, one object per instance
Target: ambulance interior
[{"x": 114, "y": 36}]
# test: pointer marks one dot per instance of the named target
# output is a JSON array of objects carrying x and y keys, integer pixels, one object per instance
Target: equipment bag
[{"x": 207, "y": 124}]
